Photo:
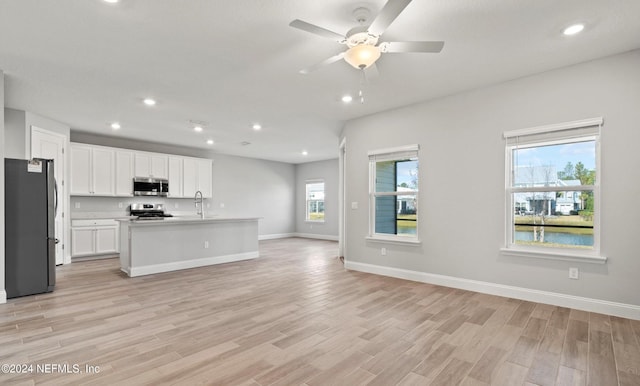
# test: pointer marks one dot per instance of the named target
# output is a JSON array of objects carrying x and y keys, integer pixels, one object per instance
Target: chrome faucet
[{"x": 199, "y": 201}]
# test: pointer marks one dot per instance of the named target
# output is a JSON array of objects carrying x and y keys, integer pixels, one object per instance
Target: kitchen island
[{"x": 174, "y": 243}]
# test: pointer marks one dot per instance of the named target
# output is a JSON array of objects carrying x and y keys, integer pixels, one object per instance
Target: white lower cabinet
[{"x": 94, "y": 237}]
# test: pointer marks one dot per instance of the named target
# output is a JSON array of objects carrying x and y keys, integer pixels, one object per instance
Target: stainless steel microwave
[{"x": 150, "y": 187}]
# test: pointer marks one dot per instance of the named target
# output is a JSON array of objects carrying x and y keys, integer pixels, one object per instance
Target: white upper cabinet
[
  {"x": 80, "y": 170},
  {"x": 190, "y": 177},
  {"x": 151, "y": 165},
  {"x": 175, "y": 176},
  {"x": 197, "y": 176},
  {"x": 205, "y": 170},
  {"x": 107, "y": 171},
  {"x": 103, "y": 171},
  {"x": 92, "y": 170},
  {"x": 124, "y": 173}
]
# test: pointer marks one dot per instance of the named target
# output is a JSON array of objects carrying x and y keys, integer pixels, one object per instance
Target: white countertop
[{"x": 183, "y": 220}]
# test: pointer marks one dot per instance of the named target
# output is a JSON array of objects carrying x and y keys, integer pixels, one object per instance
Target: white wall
[
  {"x": 15, "y": 134},
  {"x": 462, "y": 169},
  {"x": 328, "y": 172},
  {"x": 3, "y": 293},
  {"x": 246, "y": 186}
]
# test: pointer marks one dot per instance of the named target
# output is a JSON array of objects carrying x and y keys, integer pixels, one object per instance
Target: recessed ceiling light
[
  {"x": 111, "y": 1},
  {"x": 115, "y": 126},
  {"x": 209, "y": 141},
  {"x": 198, "y": 128},
  {"x": 304, "y": 152},
  {"x": 347, "y": 98},
  {"x": 573, "y": 29},
  {"x": 256, "y": 126},
  {"x": 149, "y": 102}
]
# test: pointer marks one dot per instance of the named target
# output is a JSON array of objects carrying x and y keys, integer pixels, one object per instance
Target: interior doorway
[{"x": 49, "y": 145}]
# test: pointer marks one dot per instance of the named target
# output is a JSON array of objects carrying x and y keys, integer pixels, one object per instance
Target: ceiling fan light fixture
[{"x": 362, "y": 56}]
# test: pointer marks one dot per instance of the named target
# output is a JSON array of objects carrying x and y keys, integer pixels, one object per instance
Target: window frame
[
  {"x": 563, "y": 133},
  {"x": 307, "y": 201},
  {"x": 391, "y": 154}
]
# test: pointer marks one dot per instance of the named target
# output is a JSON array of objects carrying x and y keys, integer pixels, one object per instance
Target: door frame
[
  {"x": 62, "y": 188},
  {"x": 342, "y": 193}
]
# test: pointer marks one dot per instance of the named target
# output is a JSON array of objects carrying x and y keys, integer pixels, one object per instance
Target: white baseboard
[
  {"x": 276, "y": 236},
  {"x": 553, "y": 298},
  {"x": 296, "y": 234},
  {"x": 178, "y": 265},
  {"x": 315, "y": 236},
  {"x": 3, "y": 296}
]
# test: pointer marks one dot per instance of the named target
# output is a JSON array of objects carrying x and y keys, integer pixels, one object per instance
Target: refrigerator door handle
[{"x": 55, "y": 198}]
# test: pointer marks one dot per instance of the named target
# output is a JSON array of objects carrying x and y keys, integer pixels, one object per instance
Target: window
[
  {"x": 553, "y": 189},
  {"x": 315, "y": 200},
  {"x": 393, "y": 190}
]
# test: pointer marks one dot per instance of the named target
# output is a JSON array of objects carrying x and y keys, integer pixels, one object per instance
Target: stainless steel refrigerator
[{"x": 30, "y": 206}]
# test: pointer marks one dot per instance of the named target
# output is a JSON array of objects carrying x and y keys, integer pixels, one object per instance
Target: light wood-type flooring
[{"x": 295, "y": 316}]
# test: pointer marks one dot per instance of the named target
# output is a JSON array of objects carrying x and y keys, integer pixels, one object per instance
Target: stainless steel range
[{"x": 148, "y": 211}]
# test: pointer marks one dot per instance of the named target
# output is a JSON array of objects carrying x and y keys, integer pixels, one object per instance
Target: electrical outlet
[
  {"x": 354, "y": 205},
  {"x": 206, "y": 244},
  {"x": 120, "y": 205},
  {"x": 574, "y": 273},
  {"x": 77, "y": 205},
  {"x": 383, "y": 251}
]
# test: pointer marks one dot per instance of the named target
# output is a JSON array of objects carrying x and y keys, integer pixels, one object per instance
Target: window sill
[
  {"x": 555, "y": 255},
  {"x": 393, "y": 240},
  {"x": 315, "y": 221}
]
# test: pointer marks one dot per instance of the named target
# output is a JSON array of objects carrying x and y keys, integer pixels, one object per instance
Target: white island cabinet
[{"x": 174, "y": 243}]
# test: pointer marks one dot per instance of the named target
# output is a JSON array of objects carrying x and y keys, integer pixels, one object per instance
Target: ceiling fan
[{"x": 362, "y": 40}]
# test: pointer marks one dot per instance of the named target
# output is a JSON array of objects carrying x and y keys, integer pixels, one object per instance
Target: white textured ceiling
[{"x": 232, "y": 63}]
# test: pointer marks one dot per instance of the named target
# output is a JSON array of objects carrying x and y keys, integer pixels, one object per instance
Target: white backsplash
[{"x": 115, "y": 207}]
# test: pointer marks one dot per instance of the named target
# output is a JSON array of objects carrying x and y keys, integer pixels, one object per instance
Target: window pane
[
  {"x": 392, "y": 176},
  {"x": 315, "y": 191},
  {"x": 407, "y": 175},
  {"x": 554, "y": 219},
  {"x": 396, "y": 215},
  {"x": 566, "y": 164}
]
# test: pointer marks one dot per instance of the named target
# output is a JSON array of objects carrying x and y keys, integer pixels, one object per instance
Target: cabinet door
[
  {"x": 175, "y": 177},
  {"x": 106, "y": 240},
  {"x": 159, "y": 166},
  {"x": 189, "y": 177},
  {"x": 80, "y": 170},
  {"x": 124, "y": 173},
  {"x": 103, "y": 173},
  {"x": 142, "y": 165},
  {"x": 204, "y": 177},
  {"x": 82, "y": 241}
]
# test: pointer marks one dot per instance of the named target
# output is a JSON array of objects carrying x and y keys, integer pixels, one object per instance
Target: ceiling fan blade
[
  {"x": 314, "y": 29},
  {"x": 411, "y": 46},
  {"x": 387, "y": 15},
  {"x": 325, "y": 62},
  {"x": 371, "y": 73}
]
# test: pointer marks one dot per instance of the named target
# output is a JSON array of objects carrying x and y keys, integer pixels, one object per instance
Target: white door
[{"x": 49, "y": 145}]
